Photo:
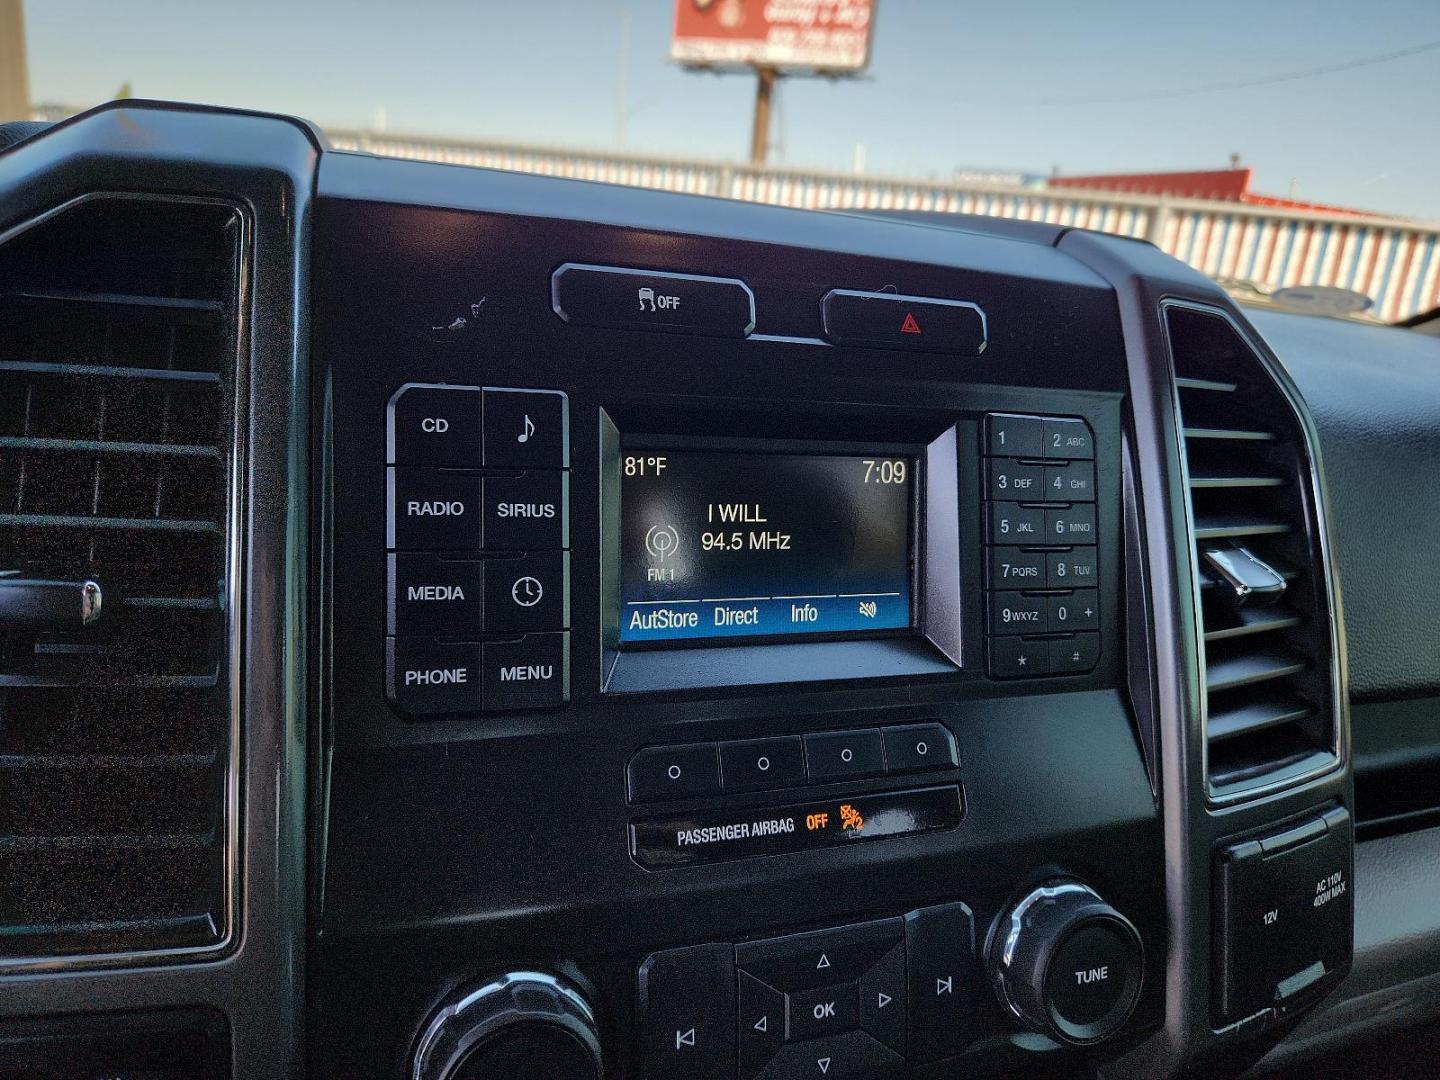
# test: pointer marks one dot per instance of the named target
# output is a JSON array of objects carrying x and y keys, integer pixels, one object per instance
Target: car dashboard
[{"x": 552, "y": 629}]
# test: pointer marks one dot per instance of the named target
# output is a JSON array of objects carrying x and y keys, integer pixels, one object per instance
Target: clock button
[{"x": 530, "y": 592}]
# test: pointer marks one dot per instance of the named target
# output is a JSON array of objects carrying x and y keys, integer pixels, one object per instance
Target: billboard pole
[{"x": 765, "y": 79}]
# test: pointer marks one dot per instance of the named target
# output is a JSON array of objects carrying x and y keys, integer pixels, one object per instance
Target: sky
[{"x": 953, "y": 84}]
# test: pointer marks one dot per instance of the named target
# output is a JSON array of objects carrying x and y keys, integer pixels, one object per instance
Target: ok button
[
  {"x": 673, "y": 772},
  {"x": 827, "y": 1011}
]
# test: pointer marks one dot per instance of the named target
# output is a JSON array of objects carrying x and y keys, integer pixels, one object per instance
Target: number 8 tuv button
[{"x": 673, "y": 772}]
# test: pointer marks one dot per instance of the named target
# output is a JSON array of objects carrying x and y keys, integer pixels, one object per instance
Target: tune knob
[
  {"x": 523, "y": 1026},
  {"x": 1067, "y": 964}
]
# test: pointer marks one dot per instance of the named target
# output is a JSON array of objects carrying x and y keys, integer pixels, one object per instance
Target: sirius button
[{"x": 526, "y": 512}]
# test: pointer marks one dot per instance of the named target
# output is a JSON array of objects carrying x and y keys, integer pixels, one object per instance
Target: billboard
[{"x": 824, "y": 35}]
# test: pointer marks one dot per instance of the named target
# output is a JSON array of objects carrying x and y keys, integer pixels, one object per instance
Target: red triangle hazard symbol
[{"x": 909, "y": 326}]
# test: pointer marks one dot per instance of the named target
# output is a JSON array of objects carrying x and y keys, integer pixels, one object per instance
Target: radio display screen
[{"x": 731, "y": 545}]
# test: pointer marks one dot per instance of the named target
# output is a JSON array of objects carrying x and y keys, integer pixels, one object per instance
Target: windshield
[{"x": 1275, "y": 146}]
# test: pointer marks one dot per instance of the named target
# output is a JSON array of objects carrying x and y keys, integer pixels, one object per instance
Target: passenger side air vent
[
  {"x": 1259, "y": 560},
  {"x": 118, "y": 346}
]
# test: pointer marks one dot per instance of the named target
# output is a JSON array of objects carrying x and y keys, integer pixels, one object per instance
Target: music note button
[{"x": 525, "y": 429}]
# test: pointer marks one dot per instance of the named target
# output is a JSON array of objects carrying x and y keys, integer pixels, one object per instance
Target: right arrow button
[{"x": 882, "y": 1000}]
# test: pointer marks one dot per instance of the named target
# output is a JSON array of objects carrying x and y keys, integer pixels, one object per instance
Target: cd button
[
  {"x": 917, "y": 747},
  {"x": 435, "y": 425},
  {"x": 674, "y": 772},
  {"x": 529, "y": 673},
  {"x": 428, "y": 594},
  {"x": 759, "y": 764},
  {"x": 433, "y": 510},
  {"x": 836, "y": 755},
  {"x": 528, "y": 593},
  {"x": 526, "y": 428},
  {"x": 527, "y": 512}
]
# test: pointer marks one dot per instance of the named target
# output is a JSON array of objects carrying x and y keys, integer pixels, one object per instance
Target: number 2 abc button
[{"x": 526, "y": 512}]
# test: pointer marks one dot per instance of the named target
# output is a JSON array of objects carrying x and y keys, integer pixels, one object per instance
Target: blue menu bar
[{"x": 756, "y": 616}]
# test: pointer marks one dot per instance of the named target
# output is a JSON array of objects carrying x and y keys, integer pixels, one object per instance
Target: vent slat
[
  {"x": 1206, "y": 384},
  {"x": 1253, "y": 621},
  {"x": 1216, "y": 482},
  {"x": 101, "y": 446},
  {"x": 108, "y": 371},
  {"x": 1248, "y": 669},
  {"x": 1268, "y": 711},
  {"x": 1228, "y": 434},
  {"x": 117, "y": 349},
  {"x": 1218, "y": 525}
]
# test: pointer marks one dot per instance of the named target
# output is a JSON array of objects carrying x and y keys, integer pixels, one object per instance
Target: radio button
[
  {"x": 432, "y": 510},
  {"x": 526, "y": 429},
  {"x": 625, "y": 299},
  {"x": 1071, "y": 569},
  {"x": 527, "y": 512},
  {"x": 1015, "y": 658},
  {"x": 429, "y": 678},
  {"x": 1011, "y": 523},
  {"x": 1012, "y": 480},
  {"x": 1012, "y": 613},
  {"x": 431, "y": 595},
  {"x": 434, "y": 425},
  {"x": 1078, "y": 611},
  {"x": 1076, "y": 655},
  {"x": 1074, "y": 482},
  {"x": 528, "y": 593},
  {"x": 760, "y": 764},
  {"x": 847, "y": 755},
  {"x": 1014, "y": 436},
  {"x": 1075, "y": 525},
  {"x": 919, "y": 747},
  {"x": 1068, "y": 439},
  {"x": 673, "y": 772},
  {"x": 532, "y": 672},
  {"x": 1011, "y": 568}
]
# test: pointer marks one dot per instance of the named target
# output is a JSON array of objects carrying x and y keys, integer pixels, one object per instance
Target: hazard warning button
[{"x": 884, "y": 320}]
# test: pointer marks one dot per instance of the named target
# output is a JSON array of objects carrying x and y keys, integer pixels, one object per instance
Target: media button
[
  {"x": 432, "y": 510},
  {"x": 673, "y": 772},
  {"x": 526, "y": 429},
  {"x": 528, "y": 593},
  {"x": 532, "y": 672},
  {"x": 428, "y": 594},
  {"x": 917, "y": 747},
  {"x": 526, "y": 512},
  {"x": 1011, "y": 523},
  {"x": 626, "y": 299},
  {"x": 844, "y": 755},
  {"x": 424, "y": 677},
  {"x": 1014, "y": 613},
  {"x": 759, "y": 764},
  {"x": 434, "y": 425}
]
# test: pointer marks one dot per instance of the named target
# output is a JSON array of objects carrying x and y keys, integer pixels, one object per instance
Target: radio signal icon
[{"x": 662, "y": 541}]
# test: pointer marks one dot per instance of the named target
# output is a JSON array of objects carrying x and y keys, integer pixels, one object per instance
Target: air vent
[
  {"x": 118, "y": 346},
  {"x": 1259, "y": 561}
]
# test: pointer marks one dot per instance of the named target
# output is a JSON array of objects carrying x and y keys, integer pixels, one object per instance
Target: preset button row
[{"x": 676, "y": 772}]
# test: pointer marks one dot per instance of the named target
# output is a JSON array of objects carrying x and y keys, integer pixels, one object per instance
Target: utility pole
[
  {"x": 14, "y": 73},
  {"x": 765, "y": 77}
]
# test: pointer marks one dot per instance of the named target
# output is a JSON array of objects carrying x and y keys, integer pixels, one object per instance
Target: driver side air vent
[
  {"x": 119, "y": 339},
  {"x": 1265, "y": 615}
]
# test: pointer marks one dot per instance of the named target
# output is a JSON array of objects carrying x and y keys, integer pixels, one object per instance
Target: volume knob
[
  {"x": 1067, "y": 964},
  {"x": 523, "y": 1026}
]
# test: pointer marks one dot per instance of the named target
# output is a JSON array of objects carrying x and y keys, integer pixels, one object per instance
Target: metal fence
[{"x": 1393, "y": 261}]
